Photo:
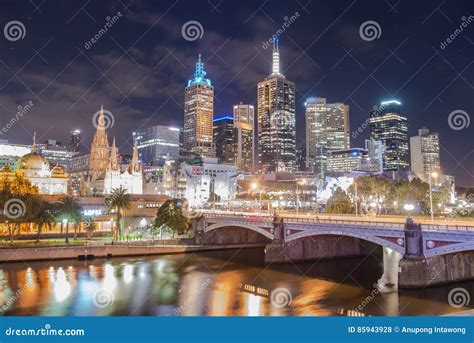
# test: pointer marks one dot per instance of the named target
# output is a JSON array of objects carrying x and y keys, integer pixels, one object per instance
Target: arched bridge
[{"x": 434, "y": 239}]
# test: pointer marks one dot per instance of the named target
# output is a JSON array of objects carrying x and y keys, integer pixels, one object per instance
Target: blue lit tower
[
  {"x": 276, "y": 120},
  {"x": 391, "y": 128},
  {"x": 198, "y": 114}
]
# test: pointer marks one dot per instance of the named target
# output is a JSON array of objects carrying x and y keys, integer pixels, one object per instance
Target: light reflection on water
[{"x": 200, "y": 285}]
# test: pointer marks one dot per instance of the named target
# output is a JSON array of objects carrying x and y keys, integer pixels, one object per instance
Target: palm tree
[
  {"x": 118, "y": 202},
  {"x": 69, "y": 210},
  {"x": 43, "y": 216}
]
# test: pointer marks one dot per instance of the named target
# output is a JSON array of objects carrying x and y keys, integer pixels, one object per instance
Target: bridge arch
[
  {"x": 356, "y": 234},
  {"x": 243, "y": 226},
  {"x": 449, "y": 249}
]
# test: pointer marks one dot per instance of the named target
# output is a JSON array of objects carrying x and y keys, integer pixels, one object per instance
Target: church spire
[
  {"x": 134, "y": 166},
  {"x": 276, "y": 58},
  {"x": 113, "y": 161}
]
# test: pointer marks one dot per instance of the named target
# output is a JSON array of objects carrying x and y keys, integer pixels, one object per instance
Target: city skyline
[{"x": 334, "y": 71}]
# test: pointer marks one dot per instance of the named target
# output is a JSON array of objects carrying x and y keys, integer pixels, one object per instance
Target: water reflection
[{"x": 200, "y": 285}]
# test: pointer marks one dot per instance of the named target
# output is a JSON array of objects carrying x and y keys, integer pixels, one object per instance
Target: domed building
[{"x": 37, "y": 169}]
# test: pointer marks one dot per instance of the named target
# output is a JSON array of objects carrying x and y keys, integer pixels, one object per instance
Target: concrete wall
[
  {"x": 316, "y": 247},
  {"x": 57, "y": 253},
  {"x": 436, "y": 270}
]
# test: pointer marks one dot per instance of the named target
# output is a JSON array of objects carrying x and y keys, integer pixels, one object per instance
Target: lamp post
[
  {"x": 355, "y": 195},
  {"x": 409, "y": 208},
  {"x": 434, "y": 175},
  {"x": 254, "y": 187}
]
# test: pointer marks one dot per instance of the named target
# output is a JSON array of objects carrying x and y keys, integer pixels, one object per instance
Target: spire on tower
[
  {"x": 199, "y": 74},
  {"x": 276, "y": 58},
  {"x": 113, "y": 161},
  {"x": 33, "y": 147},
  {"x": 134, "y": 166}
]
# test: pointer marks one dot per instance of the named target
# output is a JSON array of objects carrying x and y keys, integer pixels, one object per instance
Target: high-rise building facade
[
  {"x": 223, "y": 138},
  {"x": 155, "y": 143},
  {"x": 244, "y": 137},
  {"x": 198, "y": 114},
  {"x": 276, "y": 120},
  {"x": 74, "y": 141},
  {"x": 424, "y": 152},
  {"x": 391, "y": 128},
  {"x": 327, "y": 130}
]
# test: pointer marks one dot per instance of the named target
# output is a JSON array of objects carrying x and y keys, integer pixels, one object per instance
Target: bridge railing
[{"x": 347, "y": 222}]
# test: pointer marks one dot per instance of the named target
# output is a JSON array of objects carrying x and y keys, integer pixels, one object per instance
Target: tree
[
  {"x": 68, "y": 210},
  {"x": 118, "y": 202},
  {"x": 172, "y": 214},
  {"x": 339, "y": 202},
  {"x": 43, "y": 216}
]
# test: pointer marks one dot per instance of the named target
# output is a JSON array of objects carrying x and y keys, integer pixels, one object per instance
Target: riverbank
[{"x": 107, "y": 251}]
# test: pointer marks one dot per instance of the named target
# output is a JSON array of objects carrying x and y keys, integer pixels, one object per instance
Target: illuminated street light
[{"x": 409, "y": 208}]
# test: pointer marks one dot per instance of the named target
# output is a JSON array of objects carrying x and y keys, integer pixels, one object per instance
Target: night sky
[{"x": 139, "y": 67}]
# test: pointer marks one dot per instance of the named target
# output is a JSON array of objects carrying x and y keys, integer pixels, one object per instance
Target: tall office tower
[
  {"x": 223, "y": 138},
  {"x": 74, "y": 141},
  {"x": 244, "y": 137},
  {"x": 327, "y": 130},
  {"x": 99, "y": 156},
  {"x": 424, "y": 151},
  {"x": 198, "y": 114},
  {"x": 155, "y": 143},
  {"x": 388, "y": 126},
  {"x": 276, "y": 120}
]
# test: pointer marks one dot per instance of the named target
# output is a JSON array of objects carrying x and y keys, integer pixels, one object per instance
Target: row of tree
[
  {"x": 387, "y": 196},
  {"x": 23, "y": 208}
]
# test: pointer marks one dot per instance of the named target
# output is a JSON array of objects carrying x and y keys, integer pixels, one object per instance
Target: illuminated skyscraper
[
  {"x": 244, "y": 137},
  {"x": 223, "y": 138},
  {"x": 74, "y": 141},
  {"x": 388, "y": 126},
  {"x": 327, "y": 130},
  {"x": 198, "y": 114},
  {"x": 424, "y": 151},
  {"x": 156, "y": 143},
  {"x": 276, "y": 120}
]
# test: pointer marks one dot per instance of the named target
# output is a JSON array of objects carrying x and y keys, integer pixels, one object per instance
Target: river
[{"x": 225, "y": 283}]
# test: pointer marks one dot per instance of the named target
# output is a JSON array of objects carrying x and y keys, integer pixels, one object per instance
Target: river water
[{"x": 226, "y": 283}]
